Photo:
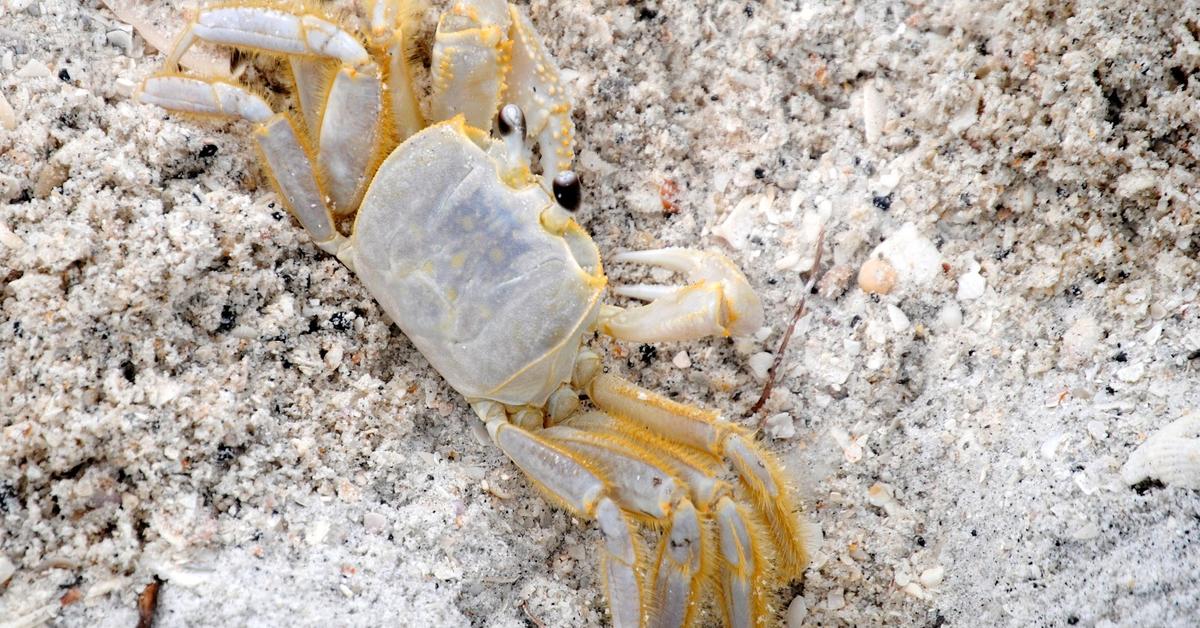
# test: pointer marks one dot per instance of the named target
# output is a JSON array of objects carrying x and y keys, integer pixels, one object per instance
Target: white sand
[{"x": 172, "y": 401}]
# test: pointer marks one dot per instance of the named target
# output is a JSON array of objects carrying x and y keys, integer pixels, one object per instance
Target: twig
[
  {"x": 536, "y": 622},
  {"x": 148, "y": 603},
  {"x": 769, "y": 385}
]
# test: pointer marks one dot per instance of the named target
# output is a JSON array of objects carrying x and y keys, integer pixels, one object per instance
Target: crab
[{"x": 479, "y": 261}]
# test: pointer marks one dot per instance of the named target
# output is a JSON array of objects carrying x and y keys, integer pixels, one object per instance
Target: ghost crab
[{"x": 480, "y": 263}]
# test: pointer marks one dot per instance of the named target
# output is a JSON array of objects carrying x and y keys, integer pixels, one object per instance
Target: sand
[{"x": 189, "y": 390}]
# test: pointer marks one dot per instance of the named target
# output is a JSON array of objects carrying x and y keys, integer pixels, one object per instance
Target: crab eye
[
  {"x": 511, "y": 120},
  {"x": 567, "y": 191}
]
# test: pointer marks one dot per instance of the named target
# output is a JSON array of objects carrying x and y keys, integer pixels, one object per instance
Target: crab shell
[{"x": 460, "y": 260}]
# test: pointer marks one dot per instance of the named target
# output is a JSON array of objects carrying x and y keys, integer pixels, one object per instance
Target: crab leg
[
  {"x": 564, "y": 476},
  {"x": 390, "y": 23},
  {"x": 288, "y": 162},
  {"x": 679, "y": 569},
  {"x": 273, "y": 31},
  {"x": 741, "y": 553},
  {"x": 705, "y": 431},
  {"x": 718, "y": 300},
  {"x": 348, "y": 110},
  {"x": 350, "y": 137}
]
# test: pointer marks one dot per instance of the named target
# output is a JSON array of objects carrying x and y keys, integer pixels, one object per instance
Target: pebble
[
  {"x": 898, "y": 318},
  {"x": 915, "y": 258},
  {"x": 971, "y": 286},
  {"x": 874, "y": 112},
  {"x": 780, "y": 426},
  {"x": 834, "y": 282},
  {"x": 949, "y": 317},
  {"x": 316, "y": 532},
  {"x": 1097, "y": 431},
  {"x": 7, "y": 569},
  {"x": 797, "y": 611},
  {"x": 682, "y": 360},
  {"x": 8, "y": 117},
  {"x": 877, "y": 277},
  {"x": 1131, "y": 373},
  {"x": 760, "y": 364},
  {"x": 374, "y": 521},
  {"x": 932, "y": 577},
  {"x": 1171, "y": 455},
  {"x": 836, "y": 600},
  {"x": 121, "y": 37},
  {"x": 33, "y": 69}
]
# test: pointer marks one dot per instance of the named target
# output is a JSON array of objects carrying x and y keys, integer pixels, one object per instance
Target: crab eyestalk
[{"x": 567, "y": 197}]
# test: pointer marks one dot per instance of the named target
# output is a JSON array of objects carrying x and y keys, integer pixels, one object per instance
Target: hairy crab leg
[
  {"x": 679, "y": 569},
  {"x": 288, "y": 163},
  {"x": 347, "y": 110},
  {"x": 717, "y": 302},
  {"x": 742, "y": 552},
  {"x": 704, "y": 430},
  {"x": 390, "y": 24},
  {"x": 574, "y": 484}
]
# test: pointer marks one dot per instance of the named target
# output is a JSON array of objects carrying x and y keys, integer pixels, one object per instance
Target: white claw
[
  {"x": 647, "y": 292},
  {"x": 717, "y": 301}
]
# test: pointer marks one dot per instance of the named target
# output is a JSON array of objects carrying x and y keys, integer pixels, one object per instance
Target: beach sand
[{"x": 191, "y": 391}]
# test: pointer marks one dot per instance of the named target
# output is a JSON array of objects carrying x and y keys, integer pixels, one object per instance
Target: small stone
[
  {"x": 874, "y": 112},
  {"x": 33, "y": 69},
  {"x": 897, "y": 318},
  {"x": 8, "y": 117},
  {"x": 760, "y": 364},
  {"x": 780, "y": 426},
  {"x": 836, "y": 600},
  {"x": 797, "y": 611},
  {"x": 949, "y": 317},
  {"x": 915, "y": 590},
  {"x": 7, "y": 569},
  {"x": 834, "y": 282},
  {"x": 1097, "y": 431},
  {"x": 316, "y": 532},
  {"x": 682, "y": 360},
  {"x": 971, "y": 286},
  {"x": 52, "y": 175},
  {"x": 124, "y": 87},
  {"x": 1131, "y": 373},
  {"x": 877, "y": 277},
  {"x": 902, "y": 579},
  {"x": 374, "y": 521},
  {"x": 913, "y": 256},
  {"x": 932, "y": 577},
  {"x": 121, "y": 37}
]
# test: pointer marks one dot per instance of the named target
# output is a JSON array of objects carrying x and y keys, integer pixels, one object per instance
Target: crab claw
[{"x": 717, "y": 301}]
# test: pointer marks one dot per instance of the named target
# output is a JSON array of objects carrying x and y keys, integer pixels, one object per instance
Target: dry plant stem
[
  {"x": 787, "y": 335},
  {"x": 536, "y": 622},
  {"x": 147, "y": 603}
]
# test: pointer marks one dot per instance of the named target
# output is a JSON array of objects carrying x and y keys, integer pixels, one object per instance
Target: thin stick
[
  {"x": 769, "y": 385},
  {"x": 148, "y": 603},
  {"x": 536, "y": 622}
]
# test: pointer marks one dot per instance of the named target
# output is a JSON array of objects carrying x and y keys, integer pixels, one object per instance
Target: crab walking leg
[
  {"x": 704, "y": 430},
  {"x": 695, "y": 469},
  {"x": 273, "y": 31},
  {"x": 679, "y": 569},
  {"x": 717, "y": 302},
  {"x": 742, "y": 556},
  {"x": 391, "y": 22},
  {"x": 288, "y": 162},
  {"x": 312, "y": 76},
  {"x": 350, "y": 137},
  {"x": 583, "y": 492},
  {"x": 534, "y": 85},
  {"x": 637, "y": 484},
  {"x": 470, "y": 59}
]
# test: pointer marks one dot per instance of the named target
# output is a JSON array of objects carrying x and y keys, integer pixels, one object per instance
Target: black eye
[
  {"x": 567, "y": 191},
  {"x": 511, "y": 120}
]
